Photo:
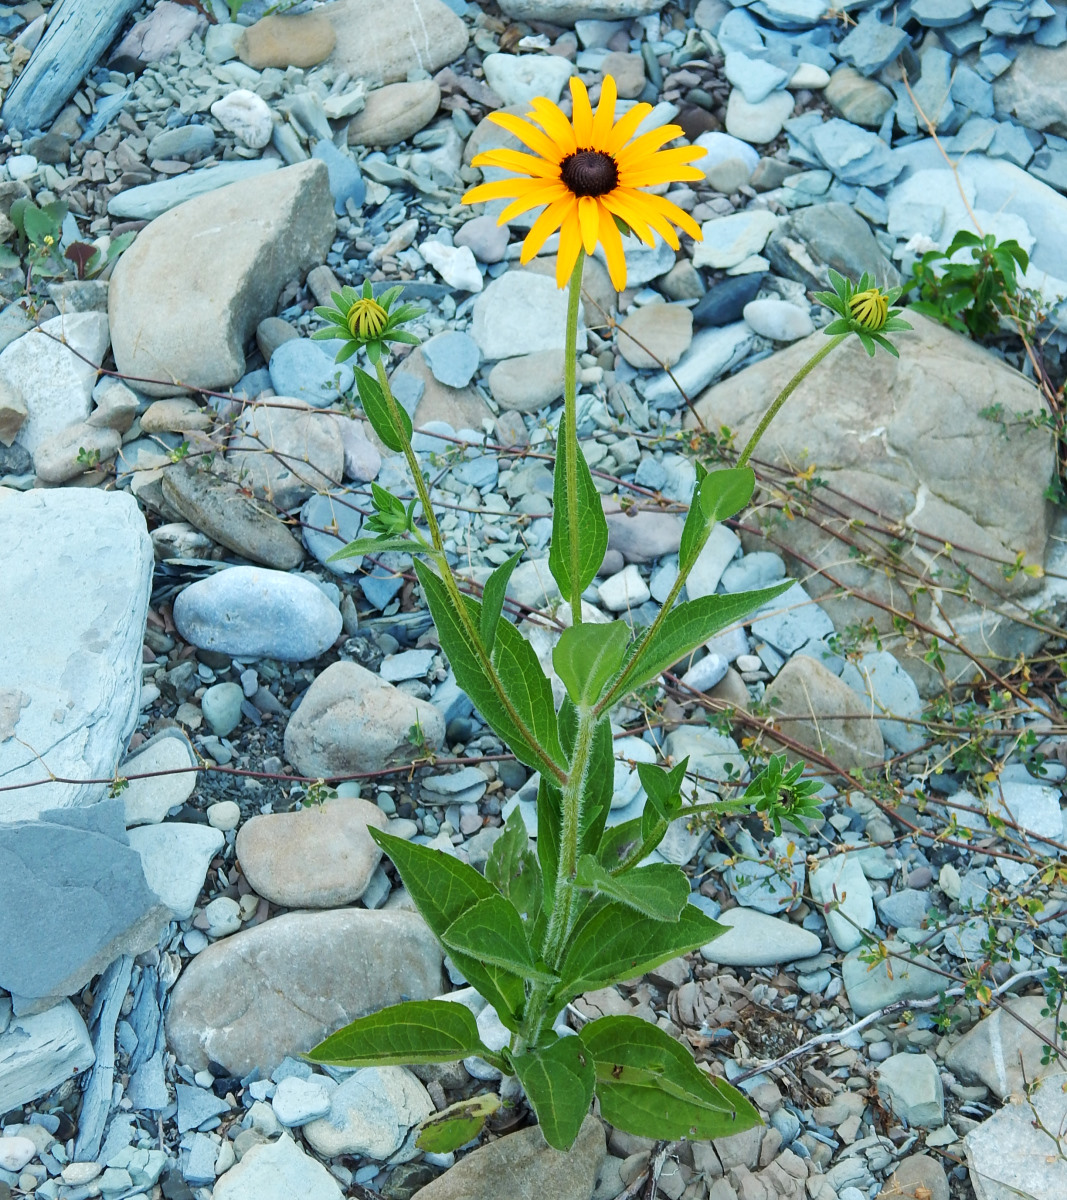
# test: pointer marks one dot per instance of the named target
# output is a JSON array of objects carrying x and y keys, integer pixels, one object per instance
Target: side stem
[{"x": 570, "y": 432}]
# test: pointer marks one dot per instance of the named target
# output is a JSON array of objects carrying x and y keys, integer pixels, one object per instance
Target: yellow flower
[
  {"x": 587, "y": 172},
  {"x": 870, "y": 308},
  {"x": 366, "y": 319}
]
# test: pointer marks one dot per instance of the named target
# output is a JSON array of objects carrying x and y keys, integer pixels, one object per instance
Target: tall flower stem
[
  {"x": 785, "y": 393},
  {"x": 570, "y": 432}
]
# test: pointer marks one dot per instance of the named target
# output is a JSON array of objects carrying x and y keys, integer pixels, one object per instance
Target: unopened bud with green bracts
[
  {"x": 863, "y": 309},
  {"x": 365, "y": 320}
]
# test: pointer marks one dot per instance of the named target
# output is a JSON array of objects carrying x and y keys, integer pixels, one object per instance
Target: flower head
[
  {"x": 863, "y": 309},
  {"x": 363, "y": 320},
  {"x": 587, "y": 173}
]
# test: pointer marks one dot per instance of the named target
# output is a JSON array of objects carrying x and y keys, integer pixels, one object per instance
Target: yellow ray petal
[
  {"x": 650, "y": 177},
  {"x": 583, "y": 113},
  {"x": 676, "y": 155},
  {"x": 646, "y": 212},
  {"x": 673, "y": 213},
  {"x": 539, "y": 194},
  {"x": 624, "y": 128},
  {"x": 529, "y": 134},
  {"x": 611, "y": 240},
  {"x": 551, "y": 119},
  {"x": 545, "y": 225},
  {"x": 589, "y": 218},
  {"x": 605, "y": 112},
  {"x": 496, "y": 189},
  {"x": 570, "y": 243},
  {"x": 515, "y": 160},
  {"x": 647, "y": 143},
  {"x": 615, "y": 202}
]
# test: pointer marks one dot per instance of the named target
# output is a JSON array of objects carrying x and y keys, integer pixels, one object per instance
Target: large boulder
[
  {"x": 187, "y": 295},
  {"x": 280, "y": 988},
  {"x": 74, "y": 591},
  {"x": 419, "y": 35},
  {"x": 906, "y": 457},
  {"x": 1034, "y": 88}
]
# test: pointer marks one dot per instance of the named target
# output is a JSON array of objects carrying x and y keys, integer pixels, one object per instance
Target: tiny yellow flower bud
[
  {"x": 366, "y": 319},
  {"x": 870, "y": 309},
  {"x": 49, "y": 240}
]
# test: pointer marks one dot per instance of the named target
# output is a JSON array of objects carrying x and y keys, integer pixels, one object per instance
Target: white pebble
[
  {"x": 778, "y": 320},
  {"x": 297, "y": 1101},
  {"x": 224, "y": 815},
  {"x": 16, "y": 1152},
  {"x": 21, "y": 166},
  {"x": 246, "y": 116},
  {"x": 624, "y": 590},
  {"x": 77, "y": 1174},
  {"x": 455, "y": 264},
  {"x": 223, "y": 917}
]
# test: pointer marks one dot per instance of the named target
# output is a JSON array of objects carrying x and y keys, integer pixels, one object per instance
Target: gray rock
[
  {"x": 1035, "y": 808},
  {"x": 1032, "y": 89},
  {"x": 1001, "y": 1052},
  {"x": 757, "y": 940},
  {"x": 911, "y": 1085},
  {"x": 247, "y": 241},
  {"x": 297, "y": 1101},
  {"x": 420, "y": 35},
  {"x": 757, "y": 570},
  {"x": 175, "y": 858},
  {"x": 761, "y": 122},
  {"x": 870, "y": 45},
  {"x": 306, "y": 371},
  {"x": 729, "y": 240},
  {"x": 528, "y": 382},
  {"x": 778, "y": 320},
  {"x": 54, "y": 384},
  {"x": 517, "y": 79},
  {"x": 755, "y": 77},
  {"x": 393, "y": 113},
  {"x": 221, "y": 706},
  {"x": 250, "y": 612},
  {"x": 350, "y": 720},
  {"x": 892, "y": 691},
  {"x": 712, "y": 353},
  {"x": 69, "y": 453},
  {"x": 920, "y": 1170},
  {"x": 791, "y": 620},
  {"x": 487, "y": 240},
  {"x": 72, "y": 44},
  {"x": 840, "y": 880},
  {"x": 717, "y": 554},
  {"x": 370, "y": 1114},
  {"x": 197, "y": 1105},
  {"x": 70, "y": 641},
  {"x": 812, "y": 239},
  {"x": 40, "y": 1052},
  {"x": 906, "y": 976},
  {"x": 1013, "y": 1153},
  {"x": 224, "y": 511},
  {"x": 148, "y": 201},
  {"x": 191, "y": 142},
  {"x": 768, "y": 886},
  {"x": 277, "y": 1171},
  {"x": 452, "y": 357},
  {"x": 281, "y": 987},
  {"x": 328, "y": 523},
  {"x": 283, "y": 451},
  {"x": 74, "y": 870},
  {"x": 519, "y": 313},
  {"x": 725, "y": 302},
  {"x": 906, "y": 908},
  {"x": 858, "y": 99}
]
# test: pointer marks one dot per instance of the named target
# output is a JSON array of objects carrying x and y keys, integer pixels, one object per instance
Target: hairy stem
[{"x": 570, "y": 432}]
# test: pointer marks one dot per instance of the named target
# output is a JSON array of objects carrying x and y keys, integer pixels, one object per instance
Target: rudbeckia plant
[{"x": 591, "y": 904}]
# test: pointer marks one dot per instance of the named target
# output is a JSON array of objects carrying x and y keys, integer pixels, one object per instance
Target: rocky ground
[{"x": 187, "y": 906}]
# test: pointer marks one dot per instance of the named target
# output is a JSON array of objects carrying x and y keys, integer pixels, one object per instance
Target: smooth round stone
[
  {"x": 330, "y": 522},
  {"x": 726, "y": 301},
  {"x": 224, "y": 815},
  {"x": 363, "y": 460},
  {"x": 778, "y": 320},
  {"x": 757, "y": 940},
  {"x": 271, "y": 332},
  {"x": 298, "y": 368},
  {"x": 221, "y": 706},
  {"x": 303, "y": 40},
  {"x": 253, "y": 612},
  {"x": 760, "y": 122},
  {"x": 246, "y": 116},
  {"x": 187, "y": 141},
  {"x": 487, "y": 240},
  {"x": 656, "y": 335},
  {"x": 394, "y": 113},
  {"x": 297, "y": 1101},
  {"x": 529, "y": 382},
  {"x": 370, "y": 1114},
  {"x": 16, "y": 1152},
  {"x": 453, "y": 358},
  {"x": 77, "y": 1174},
  {"x": 223, "y": 917}
]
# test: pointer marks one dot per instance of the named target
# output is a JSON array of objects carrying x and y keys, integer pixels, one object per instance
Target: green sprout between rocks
[{"x": 586, "y": 908}]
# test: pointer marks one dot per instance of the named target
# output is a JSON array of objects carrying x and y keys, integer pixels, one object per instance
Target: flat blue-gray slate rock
[
  {"x": 250, "y": 612},
  {"x": 38, "y": 1053},
  {"x": 74, "y": 592},
  {"x": 76, "y": 873},
  {"x": 151, "y": 200}
]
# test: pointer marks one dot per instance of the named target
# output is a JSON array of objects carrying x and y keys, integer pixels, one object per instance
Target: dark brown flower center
[{"x": 589, "y": 172}]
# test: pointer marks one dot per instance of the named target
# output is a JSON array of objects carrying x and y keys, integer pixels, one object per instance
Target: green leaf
[
  {"x": 528, "y": 693},
  {"x": 39, "y": 224},
  {"x": 719, "y": 495},
  {"x": 455, "y": 1126},
  {"x": 378, "y": 412},
  {"x": 443, "y": 889},
  {"x": 659, "y": 890},
  {"x": 618, "y": 842},
  {"x": 587, "y": 656},
  {"x": 417, "y": 1031},
  {"x": 512, "y": 867},
  {"x": 648, "y": 1084},
  {"x": 549, "y": 837},
  {"x": 608, "y": 945},
  {"x": 558, "y": 1080},
  {"x": 363, "y": 546},
  {"x": 492, "y": 932},
  {"x": 493, "y": 599},
  {"x": 592, "y": 525},
  {"x": 685, "y": 627}
]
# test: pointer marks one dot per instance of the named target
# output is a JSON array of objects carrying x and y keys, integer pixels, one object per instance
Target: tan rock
[
  {"x": 857, "y": 98},
  {"x": 628, "y": 71},
  {"x": 286, "y": 453},
  {"x": 417, "y": 35},
  {"x": 395, "y": 112},
  {"x": 351, "y": 720},
  {"x": 175, "y": 416},
  {"x": 905, "y": 438},
  {"x": 13, "y": 411},
  {"x": 280, "y": 988},
  {"x": 532, "y": 1169},
  {"x": 527, "y": 383},
  {"x": 287, "y": 41},
  {"x": 462, "y": 408},
  {"x": 57, "y": 458},
  {"x": 186, "y": 297},
  {"x": 831, "y": 718},
  {"x": 656, "y": 335},
  {"x": 1001, "y": 1052},
  {"x": 316, "y": 857}
]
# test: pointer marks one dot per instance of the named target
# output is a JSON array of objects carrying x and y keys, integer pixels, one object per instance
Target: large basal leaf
[
  {"x": 443, "y": 889},
  {"x": 586, "y": 657},
  {"x": 493, "y": 599},
  {"x": 690, "y": 625},
  {"x": 492, "y": 932},
  {"x": 591, "y": 526},
  {"x": 512, "y": 867},
  {"x": 610, "y": 944},
  {"x": 417, "y": 1031},
  {"x": 535, "y": 741},
  {"x": 558, "y": 1080},
  {"x": 659, "y": 890},
  {"x": 648, "y": 1084},
  {"x": 454, "y": 1126},
  {"x": 381, "y": 415}
]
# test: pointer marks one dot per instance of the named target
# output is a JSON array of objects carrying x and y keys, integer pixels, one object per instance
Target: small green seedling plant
[
  {"x": 38, "y": 245},
  {"x": 974, "y": 295},
  {"x": 588, "y": 907}
]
